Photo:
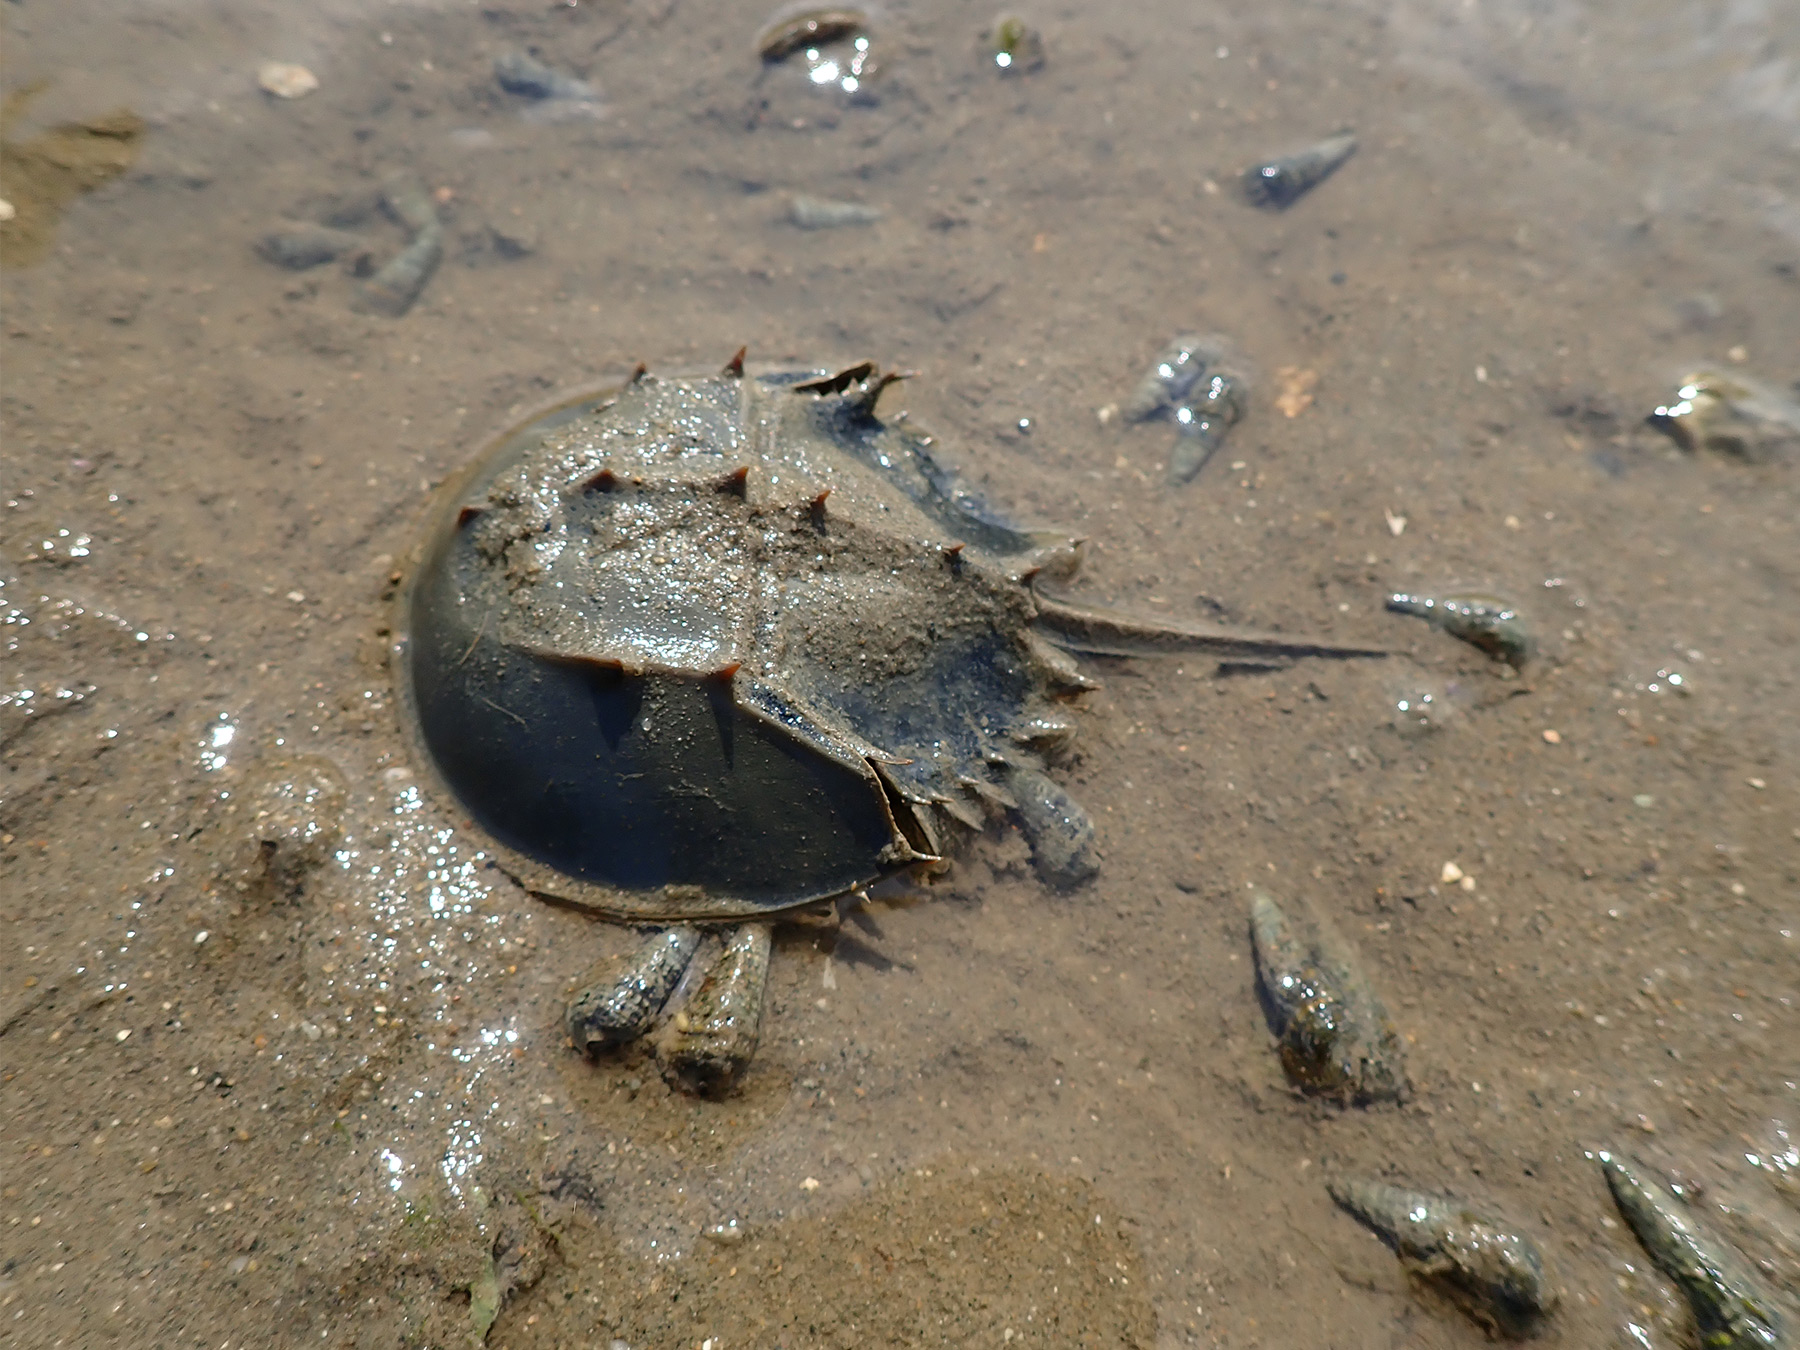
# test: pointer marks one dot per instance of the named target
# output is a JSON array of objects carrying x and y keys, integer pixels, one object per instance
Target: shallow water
[{"x": 335, "y": 1104}]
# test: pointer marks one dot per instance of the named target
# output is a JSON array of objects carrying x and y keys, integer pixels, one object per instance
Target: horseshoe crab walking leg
[
  {"x": 624, "y": 1006},
  {"x": 710, "y": 1039},
  {"x": 1059, "y": 832}
]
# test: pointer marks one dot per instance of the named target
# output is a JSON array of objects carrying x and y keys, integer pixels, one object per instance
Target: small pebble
[
  {"x": 1295, "y": 394},
  {"x": 523, "y": 74},
  {"x": 302, "y": 246},
  {"x": 810, "y": 1184},
  {"x": 1451, "y": 873},
  {"x": 473, "y": 138},
  {"x": 1552, "y": 737},
  {"x": 512, "y": 241},
  {"x": 7, "y": 212},
  {"x": 821, "y": 213},
  {"x": 1643, "y": 800},
  {"x": 286, "y": 80}
]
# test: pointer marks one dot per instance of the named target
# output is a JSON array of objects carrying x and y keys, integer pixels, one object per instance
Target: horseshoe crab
[{"x": 704, "y": 652}]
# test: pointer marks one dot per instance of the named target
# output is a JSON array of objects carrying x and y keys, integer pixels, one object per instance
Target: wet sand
[{"x": 329, "y": 1100}]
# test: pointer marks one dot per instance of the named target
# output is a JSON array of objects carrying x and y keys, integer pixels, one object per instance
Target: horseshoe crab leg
[
  {"x": 622, "y": 1008},
  {"x": 711, "y": 1037},
  {"x": 1059, "y": 832},
  {"x": 1099, "y": 632}
]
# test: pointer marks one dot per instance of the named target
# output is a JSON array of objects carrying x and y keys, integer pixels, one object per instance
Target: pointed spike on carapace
[
  {"x": 836, "y": 384},
  {"x": 725, "y": 674},
  {"x": 605, "y": 480},
  {"x": 638, "y": 373},
  {"x": 737, "y": 482},
  {"x": 817, "y": 507},
  {"x": 868, "y": 392},
  {"x": 953, "y": 553},
  {"x": 468, "y": 513},
  {"x": 735, "y": 366}
]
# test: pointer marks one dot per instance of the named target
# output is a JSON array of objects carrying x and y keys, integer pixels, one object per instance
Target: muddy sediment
[{"x": 329, "y": 1089}]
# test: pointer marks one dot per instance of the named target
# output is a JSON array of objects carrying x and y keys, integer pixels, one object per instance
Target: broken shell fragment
[
  {"x": 1281, "y": 182},
  {"x": 712, "y": 1037},
  {"x": 1333, "y": 1033},
  {"x": 1732, "y": 415},
  {"x": 1493, "y": 1272},
  {"x": 833, "y": 44},
  {"x": 283, "y": 79},
  {"x": 1494, "y": 625},
  {"x": 730, "y": 1233},
  {"x": 624, "y": 1006},
  {"x": 793, "y": 28},
  {"x": 1731, "y": 1308}
]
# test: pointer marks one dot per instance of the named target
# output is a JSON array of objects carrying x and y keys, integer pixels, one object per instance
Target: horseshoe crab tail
[{"x": 1099, "y": 632}]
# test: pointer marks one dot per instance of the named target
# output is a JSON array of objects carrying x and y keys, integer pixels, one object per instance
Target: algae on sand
[{"x": 41, "y": 176}]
